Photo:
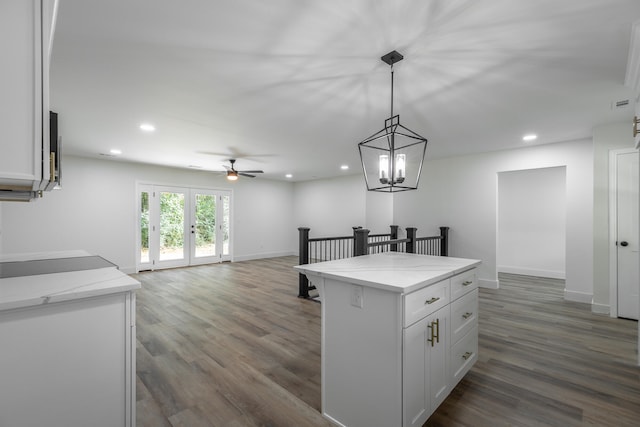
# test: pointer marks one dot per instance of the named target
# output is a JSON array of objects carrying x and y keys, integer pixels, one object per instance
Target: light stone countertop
[
  {"x": 391, "y": 271},
  {"x": 33, "y": 290}
]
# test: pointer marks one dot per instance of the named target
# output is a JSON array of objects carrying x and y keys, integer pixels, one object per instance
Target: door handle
[{"x": 624, "y": 243}]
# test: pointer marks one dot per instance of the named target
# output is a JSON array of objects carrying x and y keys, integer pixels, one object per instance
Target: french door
[{"x": 180, "y": 226}]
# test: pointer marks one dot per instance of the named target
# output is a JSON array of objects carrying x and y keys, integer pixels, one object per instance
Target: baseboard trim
[
  {"x": 261, "y": 256},
  {"x": 532, "y": 272},
  {"x": 489, "y": 284},
  {"x": 578, "y": 296},
  {"x": 600, "y": 308},
  {"x": 128, "y": 270}
]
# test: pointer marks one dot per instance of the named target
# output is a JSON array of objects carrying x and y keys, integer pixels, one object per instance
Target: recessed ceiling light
[
  {"x": 530, "y": 137},
  {"x": 289, "y": 175},
  {"x": 115, "y": 151},
  {"x": 344, "y": 167},
  {"x": 147, "y": 127}
]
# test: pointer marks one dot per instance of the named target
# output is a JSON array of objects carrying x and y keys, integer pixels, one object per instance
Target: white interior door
[
  {"x": 627, "y": 235},
  {"x": 180, "y": 226}
]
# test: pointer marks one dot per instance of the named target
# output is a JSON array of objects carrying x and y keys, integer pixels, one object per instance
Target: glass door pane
[
  {"x": 226, "y": 228},
  {"x": 205, "y": 225},
  {"x": 172, "y": 226},
  {"x": 145, "y": 237},
  {"x": 144, "y": 228}
]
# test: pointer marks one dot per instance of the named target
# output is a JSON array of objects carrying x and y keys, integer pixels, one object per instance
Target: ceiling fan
[{"x": 232, "y": 173}]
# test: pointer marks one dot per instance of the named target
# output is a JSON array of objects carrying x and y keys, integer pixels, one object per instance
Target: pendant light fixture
[{"x": 392, "y": 157}]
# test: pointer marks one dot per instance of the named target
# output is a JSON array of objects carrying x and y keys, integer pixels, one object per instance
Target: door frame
[
  {"x": 145, "y": 185},
  {"x": 613, "y": 227}
]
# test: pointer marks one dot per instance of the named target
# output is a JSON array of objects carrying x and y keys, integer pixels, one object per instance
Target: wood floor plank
[{"x": 231, "y": 345}]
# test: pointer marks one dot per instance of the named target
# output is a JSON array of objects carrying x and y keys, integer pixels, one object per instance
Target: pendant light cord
[{"x": 391, "y": 90}]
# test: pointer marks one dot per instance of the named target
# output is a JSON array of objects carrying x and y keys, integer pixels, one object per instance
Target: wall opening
[{"x": 532, "y": 222}]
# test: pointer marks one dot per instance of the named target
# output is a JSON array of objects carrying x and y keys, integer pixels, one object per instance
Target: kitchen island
[
  {"x": 399, "y": 331},
  {"x": 67, "y": 341}
]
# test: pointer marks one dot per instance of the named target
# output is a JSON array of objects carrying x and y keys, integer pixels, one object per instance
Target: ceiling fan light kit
[
  {"x": 392, "y": 157},
  {"x": 232, "y": 173}
]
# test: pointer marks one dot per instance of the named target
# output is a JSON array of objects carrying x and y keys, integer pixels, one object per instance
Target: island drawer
[
  {"x": 425, "y": 301},
  {"x": 464, "y": 315},
  {"x": 463, "y": 283},
  {"x": 463, "y": 355}
]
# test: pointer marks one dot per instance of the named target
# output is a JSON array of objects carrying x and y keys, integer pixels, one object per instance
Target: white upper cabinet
[{"x": 26, "y": 34}]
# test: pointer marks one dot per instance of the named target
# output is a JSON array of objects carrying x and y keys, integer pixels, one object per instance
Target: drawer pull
[
  {"x": 467, "y": 283},
  {"x": 432, "y": 300},
  {"x": 434, "y": 327},
  {"x": 467, "y": 355},
  {"x": 467, "y": 315}
]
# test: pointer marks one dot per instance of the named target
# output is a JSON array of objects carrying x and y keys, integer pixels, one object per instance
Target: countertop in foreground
[{"x": 39, "y": 289}]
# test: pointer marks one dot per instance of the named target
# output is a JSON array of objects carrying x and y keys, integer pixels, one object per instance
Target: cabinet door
[
  {"x": 415, "y": 381},
  {"x": 438, "y": 357},
  {"x": 69, "y": 364},
  {"x": 20, "y": 84},
  {"x": 26, "y": 28},
  {"x": 426, "y": 379}
]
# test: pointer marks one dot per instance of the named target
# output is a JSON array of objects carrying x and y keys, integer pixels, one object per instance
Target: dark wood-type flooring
[{"x": 231, "y": 345}]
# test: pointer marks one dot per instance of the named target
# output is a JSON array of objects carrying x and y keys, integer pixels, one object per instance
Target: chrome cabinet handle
[
  {"x": 467, "y": 315},
  {"x": 467, "y": 282},
  {"x": 432, "y": 300},
  {"x": 467, "y": 355}
]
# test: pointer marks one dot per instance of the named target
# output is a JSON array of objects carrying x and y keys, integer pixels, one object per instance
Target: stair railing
[{"x": 361, "y": 242}]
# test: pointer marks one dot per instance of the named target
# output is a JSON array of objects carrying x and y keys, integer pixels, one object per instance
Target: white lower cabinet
[
  {"x": 69, "y": 364},
  {"x": 439, "y": 349},
  {"x": 425, "y": 373}
]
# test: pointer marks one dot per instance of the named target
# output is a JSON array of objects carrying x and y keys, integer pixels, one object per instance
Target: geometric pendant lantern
[{"x": 392, "y": 157}]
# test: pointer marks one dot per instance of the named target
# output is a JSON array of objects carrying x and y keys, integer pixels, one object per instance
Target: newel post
[
  {"x": 411, "y": 235},
  {"x": 394, "y": 236},
  {"x": 356, "y": 228},
  {"x": 303, "y": 253},
  {"x": 361, "y": 246},
  {"x": 444, "y": 242}
]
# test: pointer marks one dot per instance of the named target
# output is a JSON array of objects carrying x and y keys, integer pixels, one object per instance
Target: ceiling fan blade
[
  {"x": 246, "y": 174},
  {"x": 252, "y": 171}
]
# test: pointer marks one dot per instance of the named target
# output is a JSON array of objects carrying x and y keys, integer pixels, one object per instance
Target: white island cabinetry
[
  {"x": 67, "y": 352},
  {"x": 398, "y": 333}
]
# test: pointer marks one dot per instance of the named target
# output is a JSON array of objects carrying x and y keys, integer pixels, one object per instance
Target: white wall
[
  {"x": 532, "y": 222},
  {"x": 461, "y": 192},
  {"x": 379, "y": 211},
  {"x": 330, "y": 207},
  {"x": 96, "y": 211}
]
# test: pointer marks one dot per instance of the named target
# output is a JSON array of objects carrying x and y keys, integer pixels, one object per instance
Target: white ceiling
[{"x": 291, "y": 86}]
